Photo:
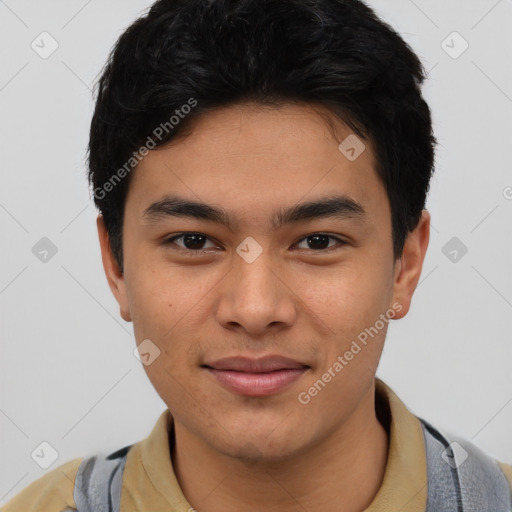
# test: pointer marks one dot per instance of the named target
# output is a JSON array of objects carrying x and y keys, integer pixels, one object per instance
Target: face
[{"x": 262, "y": 277}]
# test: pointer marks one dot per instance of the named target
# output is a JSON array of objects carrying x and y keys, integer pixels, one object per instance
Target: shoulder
[
  {"x": 507, "y": 471},
  {"x": 459, "y": 471},
  {"x": 53, "y": 492}
]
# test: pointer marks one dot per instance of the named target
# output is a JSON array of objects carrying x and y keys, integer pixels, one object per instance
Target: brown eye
[
  {"x": 190, "y": 242},
  {"x": 319, "y": 242}
]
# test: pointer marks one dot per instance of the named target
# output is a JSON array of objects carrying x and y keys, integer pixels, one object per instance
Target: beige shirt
[{"x": 149, "y": 482}]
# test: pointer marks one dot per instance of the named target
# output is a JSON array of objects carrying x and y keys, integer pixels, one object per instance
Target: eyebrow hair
[{"x": 336, "y": 206}]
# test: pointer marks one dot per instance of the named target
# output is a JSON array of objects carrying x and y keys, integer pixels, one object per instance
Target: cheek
[
  {"x": 351, "y": 297},
  {"x": 165, "y": 305},
  {"x": 153, "y": 301}
]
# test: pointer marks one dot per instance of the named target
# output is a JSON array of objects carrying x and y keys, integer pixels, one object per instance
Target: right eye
[{"x": 193, "y": 243}]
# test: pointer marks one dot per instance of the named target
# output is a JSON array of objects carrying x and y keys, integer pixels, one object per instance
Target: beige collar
[{"x": 149, "y": 482}]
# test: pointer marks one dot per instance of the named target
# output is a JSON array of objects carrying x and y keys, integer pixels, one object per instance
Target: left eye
[
  {"x": 194, "y": 242},
  {"x": 320, "y": 239}
]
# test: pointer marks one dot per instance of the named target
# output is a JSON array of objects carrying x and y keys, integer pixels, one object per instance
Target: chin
[{"x": 251, "y": 452}]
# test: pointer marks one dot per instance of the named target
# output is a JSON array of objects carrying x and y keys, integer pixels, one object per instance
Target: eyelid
[
  {"x": 169, "y": 240},
  {"x": 341, "y": 242}
]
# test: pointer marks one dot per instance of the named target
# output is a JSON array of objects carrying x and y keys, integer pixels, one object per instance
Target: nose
[{"x": 255, "y": 297}]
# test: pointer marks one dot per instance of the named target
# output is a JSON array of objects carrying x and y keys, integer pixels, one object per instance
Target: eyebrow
[{"x": 336, "y": 206}]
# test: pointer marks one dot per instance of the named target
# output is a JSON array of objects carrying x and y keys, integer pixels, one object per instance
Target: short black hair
[{"x": 192, "y": 56}]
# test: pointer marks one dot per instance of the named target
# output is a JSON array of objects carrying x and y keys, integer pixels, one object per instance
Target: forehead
[
  {"x": 254, "y": 157},
  {"x": 255, "y": 125}
]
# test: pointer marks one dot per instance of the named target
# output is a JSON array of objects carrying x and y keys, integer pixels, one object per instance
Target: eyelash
[{"x": 199, "y": 252}]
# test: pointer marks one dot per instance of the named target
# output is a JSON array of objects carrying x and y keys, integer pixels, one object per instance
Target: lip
[
  {"x": 256, "y": 377},
  {"x": 263, "y": 364}
]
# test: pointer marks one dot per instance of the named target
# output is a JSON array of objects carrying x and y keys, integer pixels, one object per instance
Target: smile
[{"x": 257, "y": 383}]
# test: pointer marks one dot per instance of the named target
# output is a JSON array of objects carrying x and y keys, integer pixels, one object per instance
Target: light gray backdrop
[{"x": 68, "y": 376}]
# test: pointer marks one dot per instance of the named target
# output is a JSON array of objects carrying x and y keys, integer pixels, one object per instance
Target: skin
[{"x": 265, "y": 453}]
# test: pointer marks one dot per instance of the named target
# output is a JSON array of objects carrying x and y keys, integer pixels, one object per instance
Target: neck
[{"x": 341, "y": 474}]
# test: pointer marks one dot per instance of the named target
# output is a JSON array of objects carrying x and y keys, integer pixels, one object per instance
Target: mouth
[{"x": 256, "y": 377}]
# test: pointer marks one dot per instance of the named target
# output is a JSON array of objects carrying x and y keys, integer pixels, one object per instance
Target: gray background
[{"x": 68, "y": 375}]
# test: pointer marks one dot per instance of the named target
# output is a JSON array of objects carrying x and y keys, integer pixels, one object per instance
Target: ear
[
  {"x": 115, "y": 277},
  {"x": 408, "y": 267}
]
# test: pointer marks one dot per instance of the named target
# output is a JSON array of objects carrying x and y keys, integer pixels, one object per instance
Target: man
[{"x": 261, "y": 170}]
